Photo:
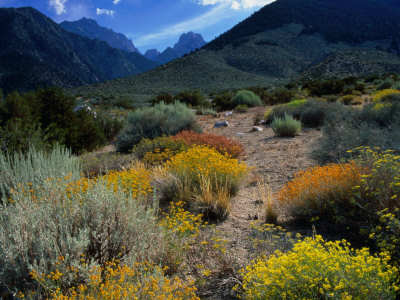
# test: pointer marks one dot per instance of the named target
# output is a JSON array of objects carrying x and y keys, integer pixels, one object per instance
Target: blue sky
[{"x": 150, "y": 23}]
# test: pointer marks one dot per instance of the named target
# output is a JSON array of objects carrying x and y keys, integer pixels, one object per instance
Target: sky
[{"x": 150, "y": 23}]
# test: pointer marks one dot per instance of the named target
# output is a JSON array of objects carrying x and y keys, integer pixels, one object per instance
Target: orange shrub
[
  {"x": 322, "y": 192},
  {"x": 221, "y": 143}
]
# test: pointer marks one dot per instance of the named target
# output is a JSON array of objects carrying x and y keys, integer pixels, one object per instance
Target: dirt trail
[{"x": 272, "y": 157}]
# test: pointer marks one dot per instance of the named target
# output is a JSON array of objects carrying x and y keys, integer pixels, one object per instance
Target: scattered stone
[
  {"x": 262, "y": 122},
  {"x": 221, "y": 124},
  {"x": 257, "y": 128},
  {"x": 228, "y": 113},
  {"x": 239, "y": 133}
]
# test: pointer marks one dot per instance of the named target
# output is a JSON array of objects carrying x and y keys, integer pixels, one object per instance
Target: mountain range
[
  {"x": 284, "y": 41},
  {"x": 91, "y": 29},
  {"x": 37, "y": 52},
  {"x": 187, "y": 43}
]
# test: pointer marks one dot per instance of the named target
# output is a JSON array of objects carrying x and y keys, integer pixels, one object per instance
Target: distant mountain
[
  {"x": 91, "y": 29},
  {"x": 38, "y": 52},
  {"x": 152, "y": 54},
  {"x": 167, "y": 55},
  {"x": 285, "y": 40},
  {"x": 187, "y": 43}
]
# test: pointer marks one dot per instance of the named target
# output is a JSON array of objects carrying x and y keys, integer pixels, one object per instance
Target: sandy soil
[{"x": 273, "y": 158}]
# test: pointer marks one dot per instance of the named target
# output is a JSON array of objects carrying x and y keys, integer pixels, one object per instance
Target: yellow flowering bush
[
  {"x": 381, "y": 95},
  {"x": 387, "y": 234},
  {"x": 207, "y": 176},
  {"x": 267, "y": 238},
  {"x": 202, "y": 161},
  {"x": 117, "y": 281},
  {"x": 135, "y": 180},
  {"x": 317, "y": 269},
  {"x": 181, "y": 221},
  {"x": 378, "y": 189}
]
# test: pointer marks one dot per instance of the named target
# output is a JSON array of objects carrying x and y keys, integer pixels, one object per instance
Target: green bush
[
  {"x": 192, "y": 98},
  {"x": 54, "y": 114},
  {"x": 164, "y": 97},
  {"x": 223, "y": 100},
  {"x": 386, "y": 234},
  {"x": 242, "y": 108},
  {"x": 153, "y": 122},
  {"x": 246, "y": 97},
  {"x": 55, "y": 230},
  {"x": 286, "y": 126},
  {"x": 278, "y": 96},
  {"x": 376, "y": 125},
  {"x": 17, "y": 136},
  {"x": 206, "y": 111},
  {"x": 380, "y": 188},
  {"x": 159, "y": 144},
  {"x": 311, "y": 113},
  {"x": 35, "y": 167},
  {"x": 328, "y": 87},
  {"x": 386, "y": 84}
]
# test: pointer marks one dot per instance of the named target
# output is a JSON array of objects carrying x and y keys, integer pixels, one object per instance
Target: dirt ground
[{"x": 275, "y": 159}]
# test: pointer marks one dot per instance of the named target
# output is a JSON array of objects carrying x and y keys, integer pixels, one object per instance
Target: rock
[
  {"x": 239, "y": 133},
  {"x": 228, "y": 113},
  {"x": 262, "y": 122},
  {"x": 221, "y": 124},
  {"x": 257, "y": 128}
]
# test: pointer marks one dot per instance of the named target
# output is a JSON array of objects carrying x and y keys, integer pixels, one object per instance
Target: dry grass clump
[
  {"x": 322, "y": 192},
  {"x": 220, "y": 143}
]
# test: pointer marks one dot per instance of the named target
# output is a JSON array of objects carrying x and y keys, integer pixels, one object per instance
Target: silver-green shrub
[
  {"x": 286, "y": 126},
  {"x": 56, "y": 230},
  {"x": 35, "y": 167},
  {"x": 246, "y": 97},
  {"x": 151, "y": 122}
]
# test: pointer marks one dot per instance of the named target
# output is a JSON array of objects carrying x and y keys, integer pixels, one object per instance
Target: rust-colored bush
[{"x": 221, "y": 143}]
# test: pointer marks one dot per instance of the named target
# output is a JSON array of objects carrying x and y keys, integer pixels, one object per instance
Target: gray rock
[
  {"x": 221, "y": 124},
  {"x": 257, "y": 128},
  {"x": 228, "y": 113}
]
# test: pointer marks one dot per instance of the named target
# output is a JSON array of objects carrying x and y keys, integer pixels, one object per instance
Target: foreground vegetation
[{"x": 148, "y": 229}]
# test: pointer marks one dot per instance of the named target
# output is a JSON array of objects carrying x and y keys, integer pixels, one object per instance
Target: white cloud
[
  {"x": 210, "y": 18},
  {"x": 237, "y": 4},
  {"x": 58, "y": 6},
  {"x": 116, "y": 1},
  {"x": 103, "y": 11}
]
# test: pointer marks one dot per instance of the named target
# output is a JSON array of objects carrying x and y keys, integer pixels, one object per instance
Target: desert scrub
[
  {"x": 322, "y": 192},
  {"x": 379, "y": 189},
  {"x": 220, "y": 143},
  {"x": 87, "y": 229},
  {"x": 120, "y": 281},
  {"x": 247, "y": 98},
  {"x": 317, "y": 269},
  {"x": 265, "y": 239},
  {"x": 153, "y": 122},
  {"x": 286, "y": 126},
  {"x": 202, "y": 170},
  {"x": 136, "y": 181},
  {"x": 158, "y": 150},
  {"x": 35, "y": 167},
  {"x": 351, "y": 100},
  {"x": 242, "y": 108},
  {"x": 384, "y": 95},
  {"x": 386, "y": 234}
]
